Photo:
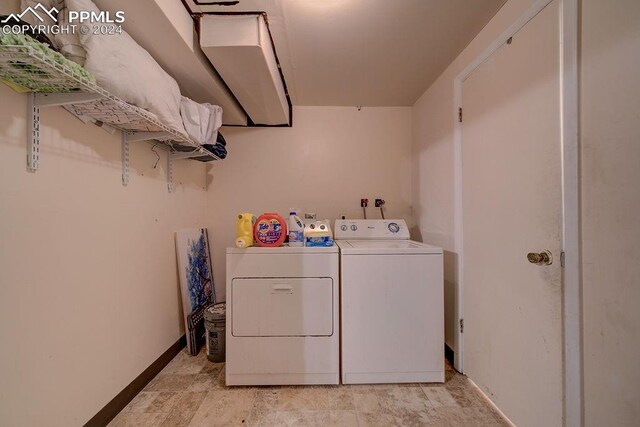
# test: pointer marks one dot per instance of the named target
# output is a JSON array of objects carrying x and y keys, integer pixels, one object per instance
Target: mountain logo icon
[{"x": 39, "y": 11}]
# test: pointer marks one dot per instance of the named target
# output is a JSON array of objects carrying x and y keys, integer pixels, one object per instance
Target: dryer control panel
[{"x": 371, "y": 229}]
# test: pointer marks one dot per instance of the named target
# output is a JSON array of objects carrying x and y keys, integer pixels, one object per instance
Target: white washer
[
  {"x": 392, "y": 304},
  {"x": 282, "y": 316}
]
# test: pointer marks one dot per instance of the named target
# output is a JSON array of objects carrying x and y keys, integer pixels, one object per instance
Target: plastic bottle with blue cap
[{"x": 296, "y": 229}]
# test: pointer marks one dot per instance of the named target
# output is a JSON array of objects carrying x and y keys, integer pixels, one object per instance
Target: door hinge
[
  {"x": 460, "y": 114},
  {"x": 461, "y": 326},
  {"x": 562, "y": 259}
]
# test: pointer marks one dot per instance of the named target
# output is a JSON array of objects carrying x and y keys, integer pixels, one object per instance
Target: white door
[{"x": 511, "y": 206}]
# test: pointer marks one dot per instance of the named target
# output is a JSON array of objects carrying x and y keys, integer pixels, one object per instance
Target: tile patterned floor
[{"x": 190, "y": 391}]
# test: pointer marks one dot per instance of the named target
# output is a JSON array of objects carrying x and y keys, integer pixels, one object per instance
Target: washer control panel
[{"x": 371, "y": 229}]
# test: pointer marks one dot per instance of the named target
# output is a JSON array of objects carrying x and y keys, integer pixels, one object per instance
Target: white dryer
[
  {"x": 282, "y": 316},
  {"x": 392, "y": 304}
]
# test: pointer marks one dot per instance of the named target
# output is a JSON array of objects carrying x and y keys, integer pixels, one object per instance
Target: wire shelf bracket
[
  {"x": 129, "y": 137},
  {"x": 33, "y": 134},
  {"x": 62, "y": 99},
  {"x": 186, "y": 155},
  {"x": 43, "y": 100},
  {"x": 169, "y": 173},
  {"x": 125, "y": 160},
  {"x": 54, "y": 84},
  {"x": 148, "y": 136}
]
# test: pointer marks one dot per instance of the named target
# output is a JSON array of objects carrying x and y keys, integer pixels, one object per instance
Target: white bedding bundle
[
  {"x": 201, "y": 121},
  {"x": 127, "y": 70}
]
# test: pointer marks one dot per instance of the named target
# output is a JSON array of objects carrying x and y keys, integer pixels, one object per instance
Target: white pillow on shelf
[{"x": 128, "y": 71}]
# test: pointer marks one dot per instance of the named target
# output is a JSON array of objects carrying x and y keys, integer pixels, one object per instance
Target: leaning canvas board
[{"x": 196, "y": 282}]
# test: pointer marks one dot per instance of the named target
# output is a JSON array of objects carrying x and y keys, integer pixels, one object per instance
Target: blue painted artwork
[
  {"x": 196, "y": 281},
  {"x": 198, "y": 272}
]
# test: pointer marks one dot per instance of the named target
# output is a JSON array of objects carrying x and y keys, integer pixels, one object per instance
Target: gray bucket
[{"x": 214, "y": 324}]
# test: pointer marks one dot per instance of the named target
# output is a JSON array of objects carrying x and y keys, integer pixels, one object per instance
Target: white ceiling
[{"x": 366, "y": 52}]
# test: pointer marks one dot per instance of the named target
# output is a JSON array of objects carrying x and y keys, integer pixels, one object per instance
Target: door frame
[{"x": 573, "y": 409}]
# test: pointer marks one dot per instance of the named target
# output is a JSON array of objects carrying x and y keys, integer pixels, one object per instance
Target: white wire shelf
[{"x": 56, "y": 84}]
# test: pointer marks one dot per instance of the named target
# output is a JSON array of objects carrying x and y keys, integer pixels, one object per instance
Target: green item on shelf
[
  {"x": 15, "y": 87},
  {"x": 35, "y": 76}
]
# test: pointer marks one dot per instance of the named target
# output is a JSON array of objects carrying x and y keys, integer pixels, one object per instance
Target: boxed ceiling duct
[{"x": 240, "y": 49}]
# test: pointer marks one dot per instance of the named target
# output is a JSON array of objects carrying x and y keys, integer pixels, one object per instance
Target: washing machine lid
[{"x": 386, "y": 247}]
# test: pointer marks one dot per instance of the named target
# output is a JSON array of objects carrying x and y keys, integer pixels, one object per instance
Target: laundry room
[{"x": 319, "y": 212}]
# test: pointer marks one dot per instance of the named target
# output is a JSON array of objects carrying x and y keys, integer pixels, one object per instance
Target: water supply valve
[
  {"x": 379, "y": 203},
  {"x": 363, "y": 204}
]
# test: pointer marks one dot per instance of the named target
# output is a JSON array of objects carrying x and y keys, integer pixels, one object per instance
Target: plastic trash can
[{"x": 214, "y": 324}]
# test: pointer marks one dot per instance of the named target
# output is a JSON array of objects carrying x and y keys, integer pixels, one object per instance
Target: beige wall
[
  {"x": 328, "y": 160},
  {"x": 88, "y": 282},
  {"x": 89, "y": 295},
  {"x": 432, "y": 148},
  {"x": 610, "y": 126},
  {"x": 610, "y": 153}
]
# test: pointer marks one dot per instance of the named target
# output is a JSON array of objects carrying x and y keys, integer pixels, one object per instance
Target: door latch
[{"x": 542, "y": 258}]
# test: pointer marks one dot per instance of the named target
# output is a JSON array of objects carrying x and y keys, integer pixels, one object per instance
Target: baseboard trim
[
  {"x": 118, "y": 403},
  {"x": 449, "y": 354}
]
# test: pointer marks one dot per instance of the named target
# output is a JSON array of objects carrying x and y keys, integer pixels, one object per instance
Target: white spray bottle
[{"x": 296, "y": 229}]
